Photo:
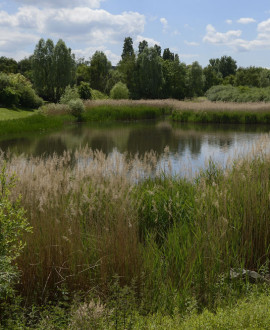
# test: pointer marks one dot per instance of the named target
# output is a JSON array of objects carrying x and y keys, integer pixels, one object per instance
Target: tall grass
[
  {"x": 123, "y": 112},
  {"x": 93, "y": 217}
]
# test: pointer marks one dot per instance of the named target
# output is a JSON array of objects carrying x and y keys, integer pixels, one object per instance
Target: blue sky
[{"x": 196, "y": 30}]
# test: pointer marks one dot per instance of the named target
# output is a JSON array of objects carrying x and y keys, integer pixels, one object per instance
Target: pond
[{"x": 190, "y": 145}]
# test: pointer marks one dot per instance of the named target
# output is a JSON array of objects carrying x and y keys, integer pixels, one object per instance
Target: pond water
[{"x": 190, "y": 145}]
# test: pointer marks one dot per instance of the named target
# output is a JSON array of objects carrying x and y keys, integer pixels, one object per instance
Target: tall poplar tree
[{"x": 53, "y": 69}]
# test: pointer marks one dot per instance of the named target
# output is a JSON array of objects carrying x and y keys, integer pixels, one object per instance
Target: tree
[
  {"x": 167, "y": 55},
  {"x": 212, "y": 77},
  {"x": 8, "y": 65},
  {"x": 158, "y": 49},
  {"x": 142, "y": 45},
  {"x": 226, "y": 65},
  {"x": 128, "y": 50},
  {"x": 149, "y": 73},
  {"x": 99, "y": 71},
  {"x": 174, "y": 74},
  {"x": 53, "y": 69},
  {"x": 64, "y": 66},
  {"x": 195, "y": 80}
]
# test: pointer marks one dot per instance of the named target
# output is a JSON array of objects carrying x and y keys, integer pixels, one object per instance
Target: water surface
[{"x": 190, "y": 145}]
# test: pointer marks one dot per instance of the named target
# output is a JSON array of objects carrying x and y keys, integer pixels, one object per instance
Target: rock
[{"x": 251, "y": 275}]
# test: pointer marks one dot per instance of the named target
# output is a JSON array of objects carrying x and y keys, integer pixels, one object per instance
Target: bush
[
  {"x": 13, "y": 224},
  {"x": 16, "y": 90},
  {"x": 76, "y": 108},
  {"x": 85, "y": 91},
  {"x": 69, "y": 94},
  {"x": 119, "y": 91}
]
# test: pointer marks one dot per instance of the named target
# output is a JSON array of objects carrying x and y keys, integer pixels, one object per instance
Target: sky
[{"x": 196, "y": 30}]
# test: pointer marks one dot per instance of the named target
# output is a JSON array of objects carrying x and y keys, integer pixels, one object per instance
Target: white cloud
[
  {"x": 229, "y": 21},
  {"x": 151, "y": 42},
  {"x": 74, "y": 25},
  {"x": 232, "y": 40},
  {"x": 164, "y": 23},
  {"x": 61, "y": 3},
  {"x": 191, "y": 43},
  {"x": 214, "y": 37},
  {"x": 246, "y": 20}
]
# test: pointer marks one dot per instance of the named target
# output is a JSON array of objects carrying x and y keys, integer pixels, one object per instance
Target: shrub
[
  {"x": 69, "y": 94},
  {"x": 119, "y": 91},
  {"x": 16, "y": 90},
  {"x": 76, "y": 108},
  {"x": 85, "y": 91},
  {"x": 13, "y": 224}
]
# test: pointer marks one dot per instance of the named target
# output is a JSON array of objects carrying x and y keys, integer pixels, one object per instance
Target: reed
[{"x": 94, "y": 216}]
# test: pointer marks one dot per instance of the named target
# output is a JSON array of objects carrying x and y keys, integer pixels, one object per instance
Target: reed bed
[
  {"x": 202, "y": 105},
  {"x": 94, "y": 216}
]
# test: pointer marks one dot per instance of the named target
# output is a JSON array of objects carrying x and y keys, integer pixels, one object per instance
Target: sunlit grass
[{"x": 6, "y": 114}]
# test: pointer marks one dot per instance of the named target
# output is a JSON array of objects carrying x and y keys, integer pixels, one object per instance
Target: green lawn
[{"x": 6, "y": 114}]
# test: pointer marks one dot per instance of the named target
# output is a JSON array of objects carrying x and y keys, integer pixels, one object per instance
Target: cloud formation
[
  {"x": 246, "y": 20},
  {"x": 232, "y": 38},
  {"x": 93, "y": 27},
  {"x": 60, "y": 3}
]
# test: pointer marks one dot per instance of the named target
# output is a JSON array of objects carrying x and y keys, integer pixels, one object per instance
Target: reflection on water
[{"x": 190, "y": 145}]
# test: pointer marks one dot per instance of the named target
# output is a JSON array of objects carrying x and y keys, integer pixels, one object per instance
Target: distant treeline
[{"x": 147, "y": 73}]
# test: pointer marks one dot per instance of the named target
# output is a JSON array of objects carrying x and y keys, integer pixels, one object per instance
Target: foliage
[
  {"x": 53, "y": 69},
  {"x": 13, "y": 225},
  {"x": 128, "y": 50},
  {"x": 76, "y": 108},
  {"x": 71, "y": 93},
  {"x": 8, "y": 65},
  {"x": 226, "y": 65},
  {"x": 99, "y": 71},
  {"x": 97, "y": 95},
  {"x": 229, "y": 93},
  {"x": 195, "y": 80},
  {"x": 84, "y": 91},
  {"x": 119, "y": 91},
  {"x": 16, "y": 90},
  {"x": 149, "y": 78}
]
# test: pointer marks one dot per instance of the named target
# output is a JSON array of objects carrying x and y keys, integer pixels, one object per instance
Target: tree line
[{"x": 146, "y": 73}]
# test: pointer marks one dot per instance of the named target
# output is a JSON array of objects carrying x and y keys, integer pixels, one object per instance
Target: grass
[
  {"x": 222, "y": 117},
  {"x": 35, "y": 122},
  {"x": 171, "y": 241},
  {"x": 122, "y": 112},
  {"x": 7, "y": 114}
]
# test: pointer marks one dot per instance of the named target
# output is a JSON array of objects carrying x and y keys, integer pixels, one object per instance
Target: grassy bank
[
  {"x": 171, "y": 242},
  {"x": 35, "y": 122},
  {"x": 8, "y": 114}
]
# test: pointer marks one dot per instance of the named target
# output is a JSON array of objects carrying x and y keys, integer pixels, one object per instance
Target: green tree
[
  {"x": 168, "y": 55},
  {"x": 149, "y": 77},
  {"x": 174, "y": 73},
  {"x": 127, "y": 48},
  {"x": 83, "y": 73},
  {"x": 99, "y": 71},
  {"x": 126, "y": 69},
  {"x": 212, "y": 77},
  {"x": 53, "y": 69},
  {"x": 195, "y": 80},
  {"x": 119, "y": 91},
  {"x": 142, "y": 45},
  {"x": 226, "y": 65},
  {"x": 64, "y": 66},
  {"x": 8, "y": 65}
]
